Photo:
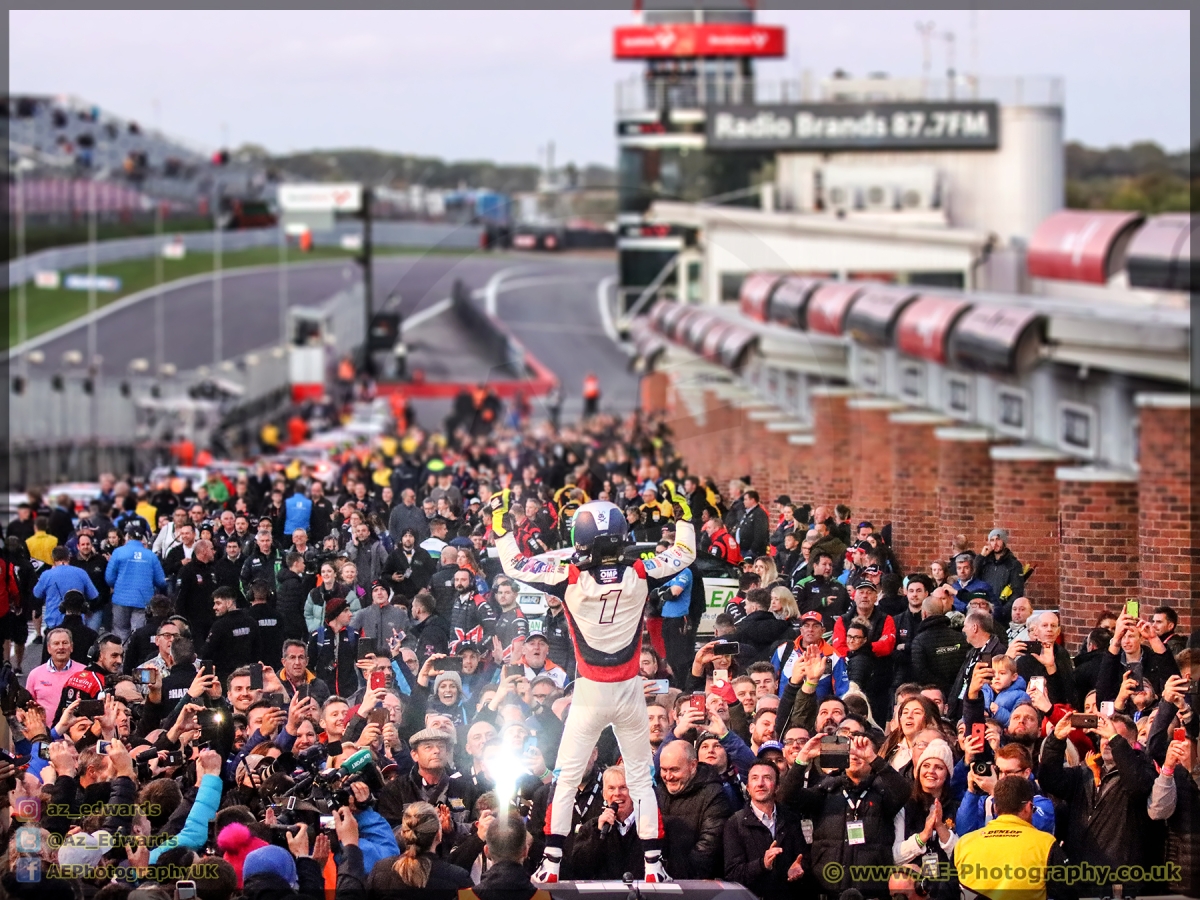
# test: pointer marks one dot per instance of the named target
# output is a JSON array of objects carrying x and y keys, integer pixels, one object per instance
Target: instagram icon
[{"x": 28, "y": 809}]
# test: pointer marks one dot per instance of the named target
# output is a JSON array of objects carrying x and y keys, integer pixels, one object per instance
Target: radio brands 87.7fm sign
[{"x": 823, "y": 127}]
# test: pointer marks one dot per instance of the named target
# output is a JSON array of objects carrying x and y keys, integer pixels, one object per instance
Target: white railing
[{"x": 641, "y": 94}]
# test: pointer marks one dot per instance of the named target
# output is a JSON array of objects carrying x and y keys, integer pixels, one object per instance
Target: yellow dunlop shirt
[{"x": 1006, "y": 860}]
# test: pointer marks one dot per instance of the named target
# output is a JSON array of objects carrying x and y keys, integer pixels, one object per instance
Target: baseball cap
[
  {"x": 769, "y": 745},
  {"x": 812, "y": 616},
  {"x": 871, "y": 570},
  {"x": 536, "y": 634},
  {"x": 864, "y": 583},
  {"x": 649, "y": 486}
]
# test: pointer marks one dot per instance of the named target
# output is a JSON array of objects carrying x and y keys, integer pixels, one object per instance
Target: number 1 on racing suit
[{"x": 605, "y": 597}]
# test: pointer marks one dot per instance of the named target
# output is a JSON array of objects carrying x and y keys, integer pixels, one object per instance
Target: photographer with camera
[
  {"x": 853, "y": 813},
  {"x": 209, "y": 788},
  {"x": 977, "y": 808},
  {"x": 1107, "y": 823}
]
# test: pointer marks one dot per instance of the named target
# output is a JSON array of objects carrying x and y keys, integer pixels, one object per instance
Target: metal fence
[
  {"x": 639, "y": 94},
  {"x": 50, "y": 408},
  {"x": 55, "y": 462},
  {"x": 432, "y": 235}
]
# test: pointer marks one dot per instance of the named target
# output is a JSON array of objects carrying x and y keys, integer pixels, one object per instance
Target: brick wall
[
  {"x": 1099, "y": 565},
  {"x": 1025, "y": 497},
  {"x": 871, "y": 459},
  {"x": 831, "y": 452},
  {"x": 654, "y": 390},
  {"x": 1083, "y": 529},
  {"x": 964, "y": 485},
  {"x": 1166, "y": 514},
  {"x": 914, "y": 493}
]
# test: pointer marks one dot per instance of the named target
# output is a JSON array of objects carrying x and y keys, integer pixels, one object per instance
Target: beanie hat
[
  {"x": 448, "y": 676},
  {"x": 334, "y": 608},
  {"x": 998, "y": 533},
  {"x": 235, "y": 841},
  {"x": 938, "y": 749},
  {"x": 272, "y": 860}
]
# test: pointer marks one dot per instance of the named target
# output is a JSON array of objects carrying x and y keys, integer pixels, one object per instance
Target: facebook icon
[{"x": 29, "y": 869}]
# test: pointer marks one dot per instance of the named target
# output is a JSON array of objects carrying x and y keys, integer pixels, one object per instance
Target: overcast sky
[{"x": 498, "y": 85}]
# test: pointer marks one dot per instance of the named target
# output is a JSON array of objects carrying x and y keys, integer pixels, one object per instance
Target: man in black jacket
[
  {"x": 760, "y": 630},
  {"x": 938, "y": 648},
  {"x": 320, "y": 521},
  {"x": 197, "y": 580},
  {"x": 764, "y": 842},
  {"x": 1002, "y": 570},
  {"x": 979, "y": 630},
  {"x": 753, "y": 530},
  {"x": 264, "y": 561},
  {"x": 1087, "y": 663},
  {"x": 1106, "y": 823},
  {"x": 233, "y": 639},
  {"x": 441, "y": 582},
  {"x": 271, "y": 634},
  {"x": 409, "y": 568},
  {"x": 431, "y": 634},
  {"x": 919, "y": 587},
  {"x": 818, "y": 592},
  {"x": 332, "y": 650},
  {"x": 407, "y": 514},
  {"x": 428, "y": 780},
  {"x": 228, "y": 569},
  {"x": 606, "y": 847},
  {"x": 694, "y": 811},
  {"x": 853, "y": 817},
  {"x": 181, "y": 552},
  {"x": 291, "y": 591}
]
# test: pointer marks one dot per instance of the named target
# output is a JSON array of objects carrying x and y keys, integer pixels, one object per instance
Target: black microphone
[{"x": 607, "y": 826}]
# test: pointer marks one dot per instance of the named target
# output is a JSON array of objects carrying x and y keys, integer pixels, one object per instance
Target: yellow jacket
[
  {"x": 1005, "y": 860},
  {"x": 40, "y": 545}
]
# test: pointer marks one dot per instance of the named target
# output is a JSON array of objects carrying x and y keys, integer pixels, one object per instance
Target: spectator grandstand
[{"x": 65, "y": 137}]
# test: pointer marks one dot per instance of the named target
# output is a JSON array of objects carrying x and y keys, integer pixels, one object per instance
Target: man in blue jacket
[
  {"x": 56, "y": 581},
  {"x": 297, "y": 514},
  {"x": 134, "y": 573},
  {"x": 976, "y": 809}
]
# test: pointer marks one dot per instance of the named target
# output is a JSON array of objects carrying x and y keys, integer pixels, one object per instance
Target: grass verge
[{"x": 47, "y": 309}]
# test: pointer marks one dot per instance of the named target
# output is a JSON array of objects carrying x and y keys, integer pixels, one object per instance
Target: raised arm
[
  {"x": 683, "y": 552},
  {"x": 677, "y": 557}
]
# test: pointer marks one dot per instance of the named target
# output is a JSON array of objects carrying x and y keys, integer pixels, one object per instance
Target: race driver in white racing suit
[{"x": 605, "y": 597}]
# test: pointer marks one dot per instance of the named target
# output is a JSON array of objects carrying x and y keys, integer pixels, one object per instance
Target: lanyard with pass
[{"x": 855, "y": 830}]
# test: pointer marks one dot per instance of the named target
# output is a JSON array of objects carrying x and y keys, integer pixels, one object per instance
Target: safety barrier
[
  {"x": 529, "y": 376},
  {"x": 430, "y": 235}
]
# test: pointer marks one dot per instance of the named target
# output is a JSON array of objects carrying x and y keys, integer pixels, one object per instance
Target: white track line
[
  {"x": 606, "y": 319},
  {"x": 429, "y": 312}
]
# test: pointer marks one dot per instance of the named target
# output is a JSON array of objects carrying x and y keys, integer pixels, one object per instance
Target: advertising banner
[
  {"x": 823, "y": 127},
  {"x": 92, "y": 282},
  {"x": 657, "y": 41}
]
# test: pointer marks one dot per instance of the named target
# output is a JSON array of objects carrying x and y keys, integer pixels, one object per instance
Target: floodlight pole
[{"x": 368, "y": 280}]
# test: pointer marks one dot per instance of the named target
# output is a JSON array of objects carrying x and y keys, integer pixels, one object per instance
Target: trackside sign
[
  {"x": 855, "y": 126},
  {"x": 320, "y": 197}
]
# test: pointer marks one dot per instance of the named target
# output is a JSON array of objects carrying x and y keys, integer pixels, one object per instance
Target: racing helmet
[{"x": 598, "y": 531}]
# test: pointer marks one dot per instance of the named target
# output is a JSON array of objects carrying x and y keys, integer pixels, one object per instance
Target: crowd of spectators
[{"x": 272, "y": 686}]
